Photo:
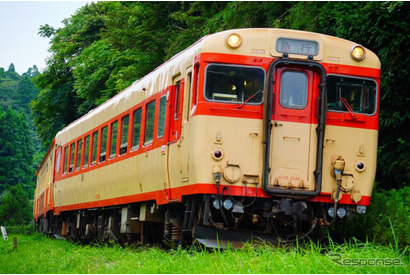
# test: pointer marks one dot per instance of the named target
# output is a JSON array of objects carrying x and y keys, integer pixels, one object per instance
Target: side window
[
  {"x": 161, "y": 116},
  {"x": 72, "y": 155},
  {"x": 79, "y": 151},
  {"x": 103, "y": 148},
  {"x": 136, "y": 127},
  {"x": 65, "y": 160},
  {"x": 177, "y": 98},
  {"x": 94, "y": 148},
  {"x": 188, "y": 99},
  {"x": 196, "y": 83},
  {"x": 293, "y": 90},
  {"x": 86, "y": 151},
  {"x": 113, "y": 139},
  {"x": 58, "y": 159},
  {"x": 149, "y": 123},
  {"x": 124, "y": 134}
]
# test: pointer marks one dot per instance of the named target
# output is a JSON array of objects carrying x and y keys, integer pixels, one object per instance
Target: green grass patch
[{"x": 38, "y": 254}]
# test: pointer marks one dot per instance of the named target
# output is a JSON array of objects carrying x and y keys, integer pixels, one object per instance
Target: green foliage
[
  {"x": 15, "y": 208},
  {"x": 16, "y": 151},
  {"x": 17, "y": 91},
  {"x": 38, "y": 254},
  {"x": 387, "y": 220},
  {"x": 22, "y": 229}
]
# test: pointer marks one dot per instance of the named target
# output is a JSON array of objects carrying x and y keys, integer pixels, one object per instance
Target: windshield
[
  {"x": 234, "y": 84},
  {"x": 355, "y": 93}
]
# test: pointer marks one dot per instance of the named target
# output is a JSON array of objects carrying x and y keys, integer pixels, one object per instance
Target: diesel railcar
[{"x": 267, "y": 133}]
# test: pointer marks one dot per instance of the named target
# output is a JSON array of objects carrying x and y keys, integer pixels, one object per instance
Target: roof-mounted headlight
[
  {"x": 234, "y": 40},
  {"x": 358, "y": 52}
]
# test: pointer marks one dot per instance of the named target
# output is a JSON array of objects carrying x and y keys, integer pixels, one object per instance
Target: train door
[
  {"x": 175, "y": 136},
  {"x": 184, "y": 141},
  {"x": 292, "y": 155}
]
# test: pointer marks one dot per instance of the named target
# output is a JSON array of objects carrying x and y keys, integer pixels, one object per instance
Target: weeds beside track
[{"x": 38, "y": 254}]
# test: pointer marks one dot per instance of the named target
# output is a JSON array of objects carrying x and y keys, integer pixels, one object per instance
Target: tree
[
  {"x": 57, "y": 103},
  {"x": 32, "y": 72},
  {"x": 16, "y": 151},
  {"x": 11, "y": 68},
  {"x": 15, "y": 207}
]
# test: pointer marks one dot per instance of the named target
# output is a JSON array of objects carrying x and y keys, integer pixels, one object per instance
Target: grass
[{"x": 38, "y": 254}]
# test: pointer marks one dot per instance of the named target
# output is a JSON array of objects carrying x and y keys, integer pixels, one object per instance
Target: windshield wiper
[
  {"x": 243, "y": 103},
  {"x": 348, "y": 107}
]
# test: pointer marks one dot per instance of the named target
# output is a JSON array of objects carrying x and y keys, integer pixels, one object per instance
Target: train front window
[
  {"x": 234, "y": 84},
  {"x": 344, "y": 93},
  {"x": 293, "y": 90}
]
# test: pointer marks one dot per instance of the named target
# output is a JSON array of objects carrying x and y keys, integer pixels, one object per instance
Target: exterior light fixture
[
  {"x": 234, "y": 40},
  {"x": 358, "y": 52}
]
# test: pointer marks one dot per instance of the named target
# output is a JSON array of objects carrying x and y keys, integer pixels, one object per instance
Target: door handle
[{"x": 276, "y": 124}]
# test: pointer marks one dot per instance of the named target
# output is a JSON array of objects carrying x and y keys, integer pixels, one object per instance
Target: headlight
[
  {"x": 234, "y": 40},
  {"x": 358, "y": 52}
]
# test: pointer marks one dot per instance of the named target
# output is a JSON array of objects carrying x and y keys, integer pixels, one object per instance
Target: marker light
[
  {"x": 341, "y": 212},
  {"x": 331, "y": 212},
  {"x": 234, "y": 40},
  {"x": 358, "y": 52},
  {"x": 227, "y": 204}
]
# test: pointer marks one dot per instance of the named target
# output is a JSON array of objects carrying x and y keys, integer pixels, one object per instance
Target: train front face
[{"x": 287, "y": 125}]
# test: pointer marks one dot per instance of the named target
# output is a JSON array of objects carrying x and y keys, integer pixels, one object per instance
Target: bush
[
  {"x": 15, "y": 207},
  {"x": 20, "y": 229},
  {"x": 387, "y": 220}
]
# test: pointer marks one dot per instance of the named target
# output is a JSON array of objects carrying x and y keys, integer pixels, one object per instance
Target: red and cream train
[{"x": 250, "y": 132}]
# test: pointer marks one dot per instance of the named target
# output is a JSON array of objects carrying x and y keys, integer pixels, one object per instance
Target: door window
[{"x": 293, "y": 90}]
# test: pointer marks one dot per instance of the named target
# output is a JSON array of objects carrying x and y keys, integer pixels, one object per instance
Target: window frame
[
  {"x": 177, "y": 97},
  {"x": 376, "y": 106},
  {"x": 102, "y": 142},
  {"x": 163, "y": 99},
  {"x": 72, "y": 157},
  {"x": 78, "y": 154},
  {"x": 134, "y": 112},
  {"x": 95, "y": 136},
  {"x": 306, "y": 98},
  {"x": 149, "y": 141},
  {"x": 124, "y": 135},
  {"x": 113, "y": 146},
  {"x": 86, "y": 153},
  {"x": 65, "y": 159},
  {"x": 234, "y": 102}
]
